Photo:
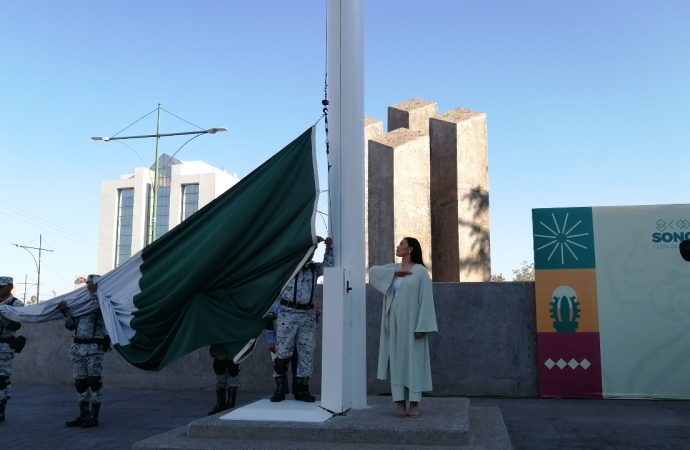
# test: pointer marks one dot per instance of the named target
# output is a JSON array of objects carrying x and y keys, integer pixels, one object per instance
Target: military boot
[
  {"x": 3, "y": 403},
  {"x": 279, "y": 394},
  {"x": 83, "y": 412},
  {"x": 232, "y": 396},
  {"x": 303, "y": 394},
  {"x": 293, "y": 366},
  {"x": 91, "y": 420},
  {"x": 220, "y": 402}
]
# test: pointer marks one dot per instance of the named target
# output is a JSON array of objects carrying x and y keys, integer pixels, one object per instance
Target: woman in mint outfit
[{"x": 407, "y": 318}]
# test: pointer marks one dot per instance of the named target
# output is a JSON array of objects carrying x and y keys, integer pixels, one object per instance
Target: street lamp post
[
  {"x": 40, "y": 249},
  {"x": 157, "y": 136}
]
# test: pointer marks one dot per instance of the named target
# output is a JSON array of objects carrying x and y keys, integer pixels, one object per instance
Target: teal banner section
[{"x": 563, "y": 238}]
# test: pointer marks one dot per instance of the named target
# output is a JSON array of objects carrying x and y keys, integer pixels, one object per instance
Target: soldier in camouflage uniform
[
  {"x": 227, "y": 381},
  {"x": 90, "y": 342},
  {"x": 295, "y": 325},
  {"x": 9, "y": 343}
]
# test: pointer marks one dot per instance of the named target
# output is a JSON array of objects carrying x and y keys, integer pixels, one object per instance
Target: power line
[{"x": 47, "y": 225}]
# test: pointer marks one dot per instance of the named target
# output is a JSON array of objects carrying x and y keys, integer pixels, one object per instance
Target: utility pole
[
  {"x": 25, "y": 283},
  {"x": 40, "y": 249}
]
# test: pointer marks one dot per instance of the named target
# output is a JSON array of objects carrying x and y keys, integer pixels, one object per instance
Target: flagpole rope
[{"x": 324, "y": 104}]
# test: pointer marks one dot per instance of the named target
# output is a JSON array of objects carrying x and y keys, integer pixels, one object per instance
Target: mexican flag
[{"x": 211, "y": 279}]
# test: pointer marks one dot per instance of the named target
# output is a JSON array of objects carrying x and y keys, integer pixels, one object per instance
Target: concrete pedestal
[{"x": 444, "y": 423}]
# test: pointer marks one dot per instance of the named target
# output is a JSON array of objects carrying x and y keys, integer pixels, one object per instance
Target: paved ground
[
  {"x": 36, "y": 416},
  {"x": 535, "y": 424}
]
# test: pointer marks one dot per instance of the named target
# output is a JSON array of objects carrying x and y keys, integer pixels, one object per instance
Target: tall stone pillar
[
  {"x": 413, "y": 114},
  {"x": 372, "y": 129},
  {"x": 398, "y": 191},
  {"x": 460, "y": 196}
]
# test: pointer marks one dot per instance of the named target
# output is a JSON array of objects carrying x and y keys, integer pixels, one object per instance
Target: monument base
[{"x": 443, "y": 423}]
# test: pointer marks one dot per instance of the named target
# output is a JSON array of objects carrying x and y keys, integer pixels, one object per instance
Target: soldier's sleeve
[
  {"x": 9, "y": 324},
  {"x": 328, "y": 258},
  {"x": 328, "y": 261},
  {"x": 3, "y": 321}
]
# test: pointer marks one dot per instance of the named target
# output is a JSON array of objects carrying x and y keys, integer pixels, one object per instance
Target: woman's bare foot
[
  {"x": 400, "y": 409},
  {"x": 413, "y": 411}
]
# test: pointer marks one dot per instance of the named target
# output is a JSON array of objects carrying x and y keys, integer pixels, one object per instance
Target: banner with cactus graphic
[{"x": 612, "y": 301}]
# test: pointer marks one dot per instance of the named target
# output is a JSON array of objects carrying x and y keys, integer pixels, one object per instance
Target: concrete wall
[{"x": 485, "y": 347}]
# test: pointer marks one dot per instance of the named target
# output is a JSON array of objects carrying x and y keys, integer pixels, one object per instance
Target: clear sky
[{"x": 588, "y": 102}]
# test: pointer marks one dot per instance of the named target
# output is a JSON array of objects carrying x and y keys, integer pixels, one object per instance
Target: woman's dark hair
[
  {"x": 685, "y": 249},
  {"x": 416, "y": 253}
]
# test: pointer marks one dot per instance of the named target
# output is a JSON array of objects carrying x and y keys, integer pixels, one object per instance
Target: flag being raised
[{"x": 212, "y": 278}]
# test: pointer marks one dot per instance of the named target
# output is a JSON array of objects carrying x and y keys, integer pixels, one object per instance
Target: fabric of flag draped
[{"x": 212, "y": 278}]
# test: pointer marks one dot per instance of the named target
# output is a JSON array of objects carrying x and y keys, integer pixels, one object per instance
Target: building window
[
  {"x": 161, "y": 216},
  {"x": 190, "y": 200},
  {"x": 163, "y": 207},
  {"x": 147, "y": 225},
  {"x": 125, "y": 218}
]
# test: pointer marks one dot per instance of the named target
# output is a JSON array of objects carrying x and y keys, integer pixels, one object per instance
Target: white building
[{"x": 183, "y": 188}]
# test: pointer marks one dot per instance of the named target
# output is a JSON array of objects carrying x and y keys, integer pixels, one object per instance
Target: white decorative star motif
[{"x": 561, "y": 237}]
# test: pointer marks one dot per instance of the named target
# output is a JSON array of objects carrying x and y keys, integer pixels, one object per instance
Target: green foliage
[
  {"x": 525, "y": 272},
  {"x": 497, "y": 277}
]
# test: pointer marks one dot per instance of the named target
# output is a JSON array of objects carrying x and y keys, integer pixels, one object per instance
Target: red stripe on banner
[{"x": 569, "y": 365}]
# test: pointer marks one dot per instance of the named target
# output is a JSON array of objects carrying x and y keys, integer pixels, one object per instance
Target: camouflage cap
[{"x": 5, "y": 281}]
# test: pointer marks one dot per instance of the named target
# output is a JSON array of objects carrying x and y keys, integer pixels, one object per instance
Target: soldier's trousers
[
  {"x": 295, "y": 329},
  {"x": 87, "y": 365},
  {"x": 5, "y": 374},
  {"x": 229, "y": 378}
]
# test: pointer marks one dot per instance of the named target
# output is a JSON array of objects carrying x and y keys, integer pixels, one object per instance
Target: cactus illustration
[{"x": 565, "y": 311}]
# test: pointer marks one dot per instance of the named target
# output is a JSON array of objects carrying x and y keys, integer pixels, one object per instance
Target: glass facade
[
  {"x": 162, "y": 215},
  {"x": 190, "y": 200},
  {"x": 125, "y": 219},
  {"x": 163, "y": 206},
  {"x": 147, "y": 225}
]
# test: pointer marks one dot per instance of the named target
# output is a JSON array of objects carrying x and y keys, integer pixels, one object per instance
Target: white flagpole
[{"x": 343, "y": 384}]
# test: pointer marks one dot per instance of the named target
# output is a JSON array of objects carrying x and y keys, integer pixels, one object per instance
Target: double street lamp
[{"x": 157, "y": 136}]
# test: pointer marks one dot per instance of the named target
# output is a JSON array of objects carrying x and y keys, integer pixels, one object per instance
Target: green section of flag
[
  {"x": 563, "y": 238},
  {"x": 212, "y": 278}
]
